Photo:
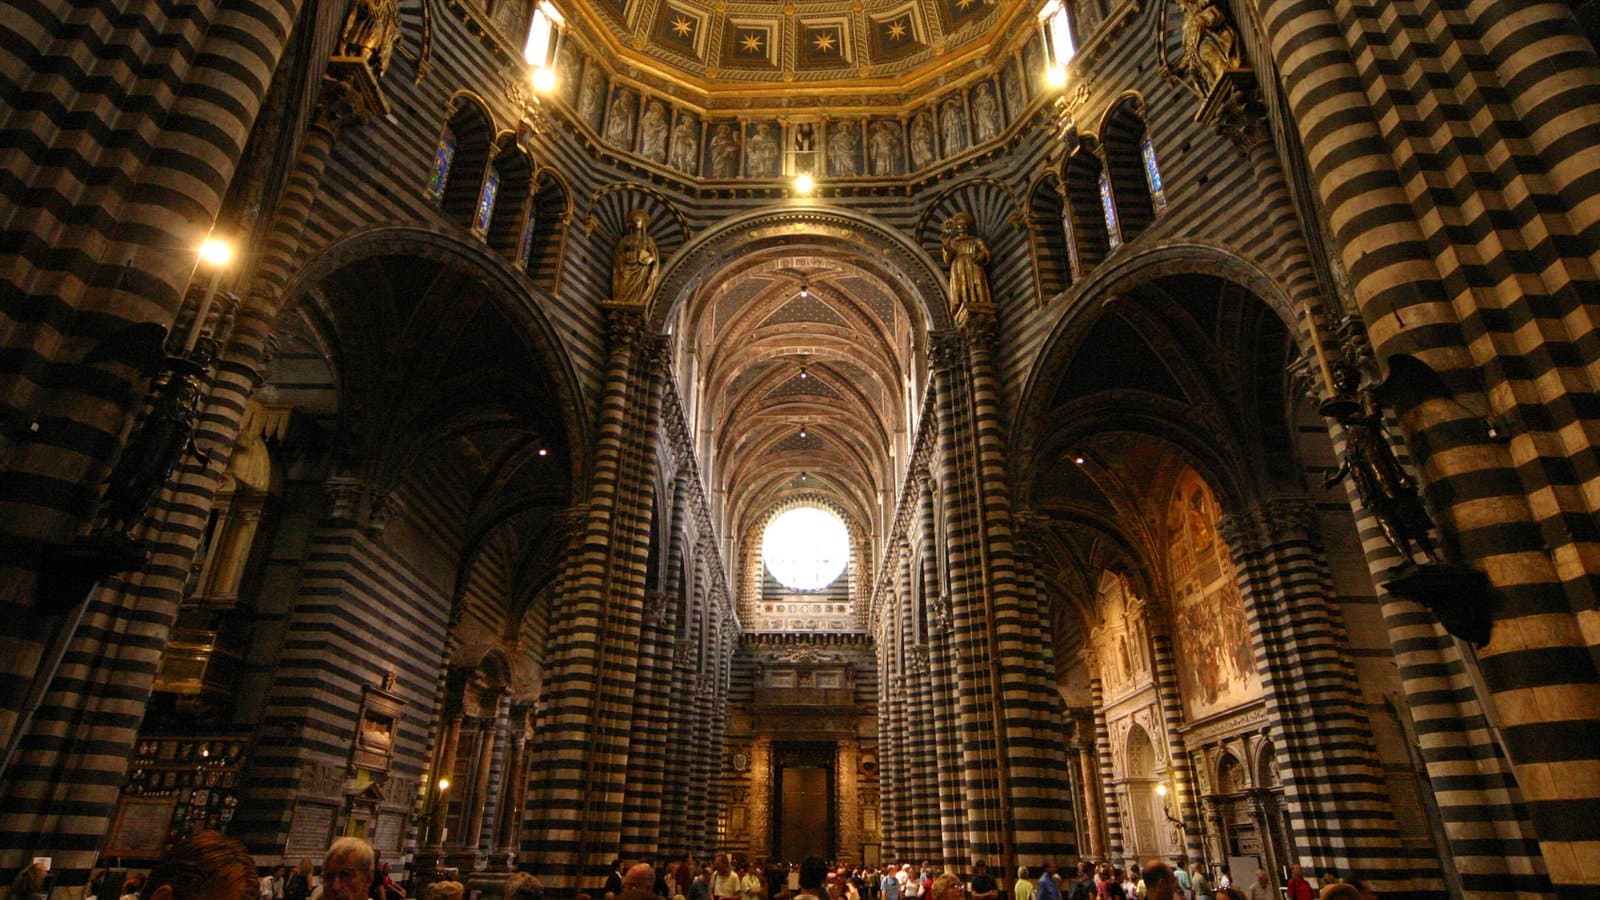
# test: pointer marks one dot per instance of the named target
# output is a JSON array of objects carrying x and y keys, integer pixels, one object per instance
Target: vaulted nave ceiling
[{"x": 803, "y": 371}]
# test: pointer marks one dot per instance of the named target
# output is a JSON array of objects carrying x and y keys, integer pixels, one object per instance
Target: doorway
[{"x": 803, "y": 803}]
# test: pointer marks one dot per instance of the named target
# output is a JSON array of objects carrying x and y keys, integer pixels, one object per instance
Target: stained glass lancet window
[
  {"x": 525, "y": 246},
  {"x": 1152, "y": 174},
  {"x": 491, "y": 186},
  {"x": 1113, "y": 232},
  {"x": 442, "y": 157}
]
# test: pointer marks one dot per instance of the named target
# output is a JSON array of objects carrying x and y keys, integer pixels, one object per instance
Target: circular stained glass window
[{"x": 805, "y": 548}]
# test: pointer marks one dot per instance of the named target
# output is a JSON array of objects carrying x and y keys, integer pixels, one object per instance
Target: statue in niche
[
  {"x": 805, "y": 137},
  {"x": 371, "y": 29},
  {"x": 635, "y": 263},
  {"x": 619, "y": 121},
  {"x": 884, "y": 148},
  {"x": 685, "y": 145},
  {"x": 1210, "y": 45},
  {"x": 1011, "y": 84},
  {"x": 967, "y": 255},
  {"x": 1383, "y": 486},
  {"x": 955, "y": 132},
  {"x": 842, "y": 149},
  {"x": 725, "y": 152},
  {"x": 653, "y": 132},
  {"x": 922, "y": 140},
  {"x": 761, "y": 154},
  {"x": 1087, "y": 17},
  {"x": 986, "y": 109},
  {"x": 589, "y": 96}
]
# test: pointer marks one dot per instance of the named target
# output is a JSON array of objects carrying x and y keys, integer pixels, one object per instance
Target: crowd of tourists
[{"x": 209, "y": 866}]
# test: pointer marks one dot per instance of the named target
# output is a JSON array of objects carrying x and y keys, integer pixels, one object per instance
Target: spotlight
[
  {"x": 544, "y": 79},
  {"x": 1078, "y": 459},
  {"x": 544, "y": 451},
  {"x": 216, "y": 252},
  {"x": 804, "y": 183},
  {"x": 803, "y": 375},
  {"x": 1056, "y": 76},
  {"x": 802, "y": 431},
  {"x": 805, "y": 290},
  {"x": 444, "y": 784}
]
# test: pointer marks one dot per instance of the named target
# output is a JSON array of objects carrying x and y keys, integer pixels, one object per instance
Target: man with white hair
[{"x": 347, "y": 870}]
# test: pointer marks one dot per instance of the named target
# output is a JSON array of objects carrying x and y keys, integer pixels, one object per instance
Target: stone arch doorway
[{"x": 1144, "y": 801}]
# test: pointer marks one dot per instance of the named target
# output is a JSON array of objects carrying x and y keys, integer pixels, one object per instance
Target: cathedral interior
[{"x": 530, "y": 434}]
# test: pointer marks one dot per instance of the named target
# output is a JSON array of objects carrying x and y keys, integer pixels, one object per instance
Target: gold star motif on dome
[
  {"x": 750, "y": 42},
  {"x": 824, "y": 42},
  {"x": 682, "y": 27},
  {"x": 896, "y": 31},
  {"x": 963, "y": 4}
]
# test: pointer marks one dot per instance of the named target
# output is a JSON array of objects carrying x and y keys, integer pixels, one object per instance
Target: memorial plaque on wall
[
  {"x": 311, "y": 829},
  {"x": 389, "y": 832},
  {"x": 140, "y": 829}
]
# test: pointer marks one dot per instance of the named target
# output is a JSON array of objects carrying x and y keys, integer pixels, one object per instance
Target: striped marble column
[
  {"x": 1496, "y": 296},
  {"x": 1334, "y": 788}
]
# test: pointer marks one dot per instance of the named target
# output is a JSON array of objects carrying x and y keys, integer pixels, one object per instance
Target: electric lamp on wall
[
  {"x": 544, "y": 38},
  {"x": 1056, "y": 26}
]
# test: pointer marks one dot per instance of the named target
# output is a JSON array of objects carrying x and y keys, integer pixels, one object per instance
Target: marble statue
[
  {"x": 922, "y": 140},
  {"x": 685, "y": 145},
  {"x": 954, "y": 129},
  {"x": 842, "y": 149},
  {"x": 653, "y": 132},
  {"x": 967, "y": 255},
  {"x": 883, "y": 148},
  {"x": 635, "y": 262},
  {"x": 589, "y": 97},
  {"x": 761, "y": 153},
  {"x": 619, "y": 121},
  {"x": 725, "y": 152},
  {"x": 371, "y": 29},
  {"x": 1210, "y": 45},
  {"x": 1011, "y": 84},
  {"x": 986, "y": 110}
]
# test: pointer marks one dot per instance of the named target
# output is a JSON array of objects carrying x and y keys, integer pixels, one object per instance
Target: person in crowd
[
  {"x": 1262, "y": 889},
  {"x": 813, "y": 878},
  {"x": 725, "y": 883},
  {"x": 639, "y": 883},
  {"x": 206, "y": 866},
  {"x": 1023, "y": 889},
  {"x": 1185, "y": 888},
  {"x": 752, "y": 882},
  {"x": 700, "y": 887},
  {"x": 1338, "y": 890},
  {"x": 1048, "y": 887},
  {"x": 132, "y": 887},
  {"x": 97, "y": 882},
  {"x": 948, "y": 887},
  {"x": 1224, "y": 880},
  {"x": 298, "y": 885},
  {"x": 29, "y": 883},
  {"x": 445, "y": 890},
  {"x": 613, "y": 885},
  {"x": 984, "y": 887},
  {"x": 1160, "y": 883},
  {"x": 1200, "y": 884},
  {"x": 889, "y": 885},
  {"x": 347, "y": 869},
  {"x": 523, "y": 886},
  {"x": 1298, "y": 888},
  {"x": 910, "y": 883}
]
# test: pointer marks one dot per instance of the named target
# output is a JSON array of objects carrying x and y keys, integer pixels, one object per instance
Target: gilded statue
[
  {"x": 966, "y": 254},
  {"x": 1210, "y": 45},
  {"x": 371, "y": 29},
  {"x": 635, "y": 263},
  {"x": 1382, "y": 484}
]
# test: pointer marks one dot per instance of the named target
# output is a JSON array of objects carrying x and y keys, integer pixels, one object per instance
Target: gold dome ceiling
[{"x": 715, "y": 53}]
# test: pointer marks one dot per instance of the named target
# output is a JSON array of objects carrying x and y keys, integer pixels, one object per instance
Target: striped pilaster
[
  {"x": 1112, "y": 810},
  {"x": 1164, "y": 664}
]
